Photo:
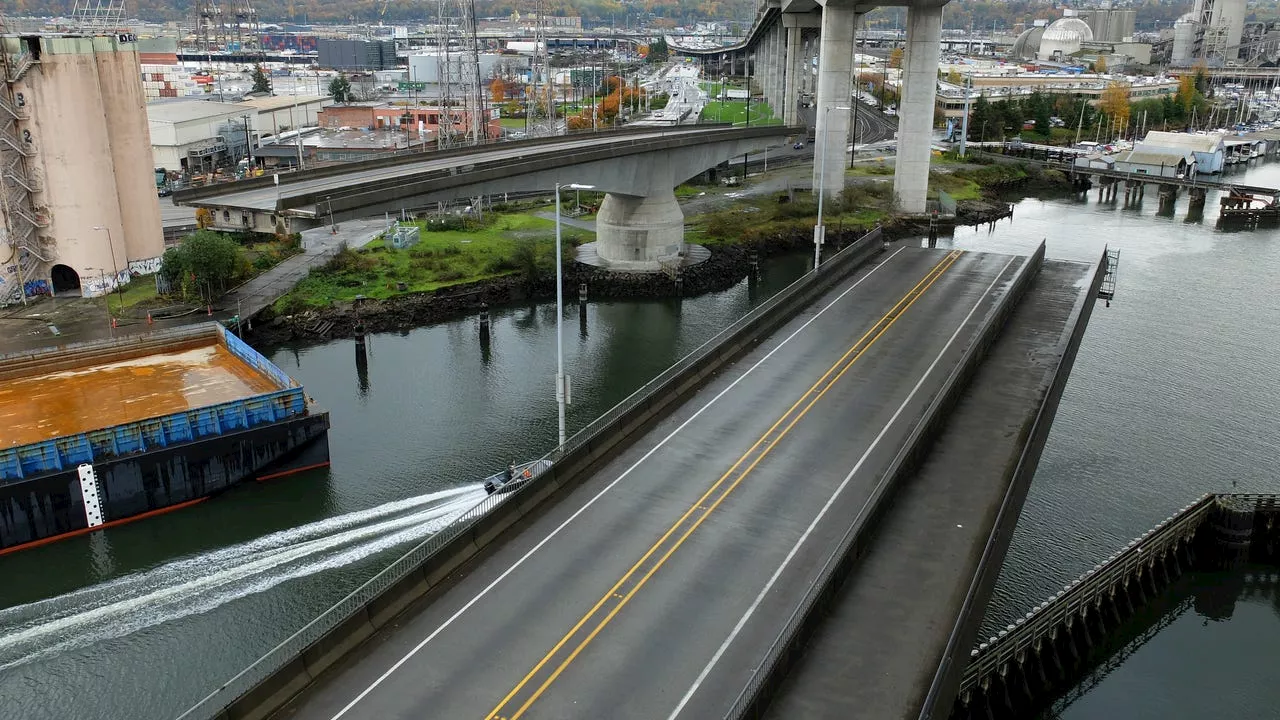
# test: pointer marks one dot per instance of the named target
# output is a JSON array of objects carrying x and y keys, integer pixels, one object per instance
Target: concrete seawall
[
  {"x": 947, "y": 679},
  {"x": 264, "y": 687},
  {"x": 1022, "y": 668},
  {"x": 810, "y": 614}
]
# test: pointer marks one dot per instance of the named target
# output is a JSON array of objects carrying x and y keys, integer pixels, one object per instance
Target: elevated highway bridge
[{"x": 639, "y": 223}]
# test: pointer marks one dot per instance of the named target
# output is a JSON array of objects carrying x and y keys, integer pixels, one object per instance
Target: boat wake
[{"x": 198, "y": 584}]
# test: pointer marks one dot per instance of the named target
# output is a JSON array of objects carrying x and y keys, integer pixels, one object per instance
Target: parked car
[{"x": 798, "y": 146}]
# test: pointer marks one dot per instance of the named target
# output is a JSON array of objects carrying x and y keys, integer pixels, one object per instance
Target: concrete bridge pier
[
  {"x": 915, "y": 110},
  {"x": 835, "y": 88},
  {"x": 790, "y": 103},
  {"x": 636, "y": 229},
  {"x": 1196, "y": 196}
]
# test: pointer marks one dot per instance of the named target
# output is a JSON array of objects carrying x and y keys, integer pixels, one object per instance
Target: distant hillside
[{"x": 593, "y": 12}]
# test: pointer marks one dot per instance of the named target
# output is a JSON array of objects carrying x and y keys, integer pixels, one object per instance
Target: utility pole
[{"x": 964, "y": 126}]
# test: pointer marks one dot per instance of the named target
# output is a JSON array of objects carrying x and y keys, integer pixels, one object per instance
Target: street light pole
[
  {"x": 114, "y": 267},
  {"x": 820, "y": 230},
  {"x": 561, "y": 380}
]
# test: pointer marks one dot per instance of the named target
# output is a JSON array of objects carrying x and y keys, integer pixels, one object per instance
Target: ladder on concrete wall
[
  {"x": 1107, "y": 289},
  {"x": 23, "y": 219}
]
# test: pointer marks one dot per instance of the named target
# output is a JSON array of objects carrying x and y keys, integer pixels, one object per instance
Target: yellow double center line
[{"x": 629, "y": 584}]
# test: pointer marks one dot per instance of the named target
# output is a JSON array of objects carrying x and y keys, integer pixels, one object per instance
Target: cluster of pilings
[{"x": 1046, "y": 652}]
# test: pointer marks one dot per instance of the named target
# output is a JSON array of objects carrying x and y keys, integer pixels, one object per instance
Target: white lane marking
[
  {"x": 831, "y": 501},
  {"x": 452, "y": 618}
]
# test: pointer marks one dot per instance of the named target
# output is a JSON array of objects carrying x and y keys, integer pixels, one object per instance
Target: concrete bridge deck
[
  {"x": 888, "y": 626},
  {"x": 317, "y": 192},
  {"x": 655, "y": 588}
]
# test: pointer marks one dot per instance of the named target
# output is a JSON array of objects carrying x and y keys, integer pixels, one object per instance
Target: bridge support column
[
  {"x": 835, "y": 74},
  {"x": 791, "y": 90},
  {"x": 915, "y": 111},
  {"x": 633, "y": 229},
  {"x": 777, "y": 71}
]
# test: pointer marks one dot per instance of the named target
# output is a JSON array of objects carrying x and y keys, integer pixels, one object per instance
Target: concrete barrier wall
[
  {"x": 572, "y": 469},
  {"x": 946, "y": 682},
  {"x": 809, "y": 615}
]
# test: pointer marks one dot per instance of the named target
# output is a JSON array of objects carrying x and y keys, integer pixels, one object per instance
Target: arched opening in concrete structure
[{"x": 64, "y": 278}]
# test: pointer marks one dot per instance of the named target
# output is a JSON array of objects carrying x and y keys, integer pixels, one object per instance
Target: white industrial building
[
  {"x": 1209, "y": 149},
  {"x": 192, "y": 135},
  {"x": 1211, "y": 32}
]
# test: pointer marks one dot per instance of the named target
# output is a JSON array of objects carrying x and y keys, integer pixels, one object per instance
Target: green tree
[
  {"x": 981, "y": 119},
  {"x": 340, "y": 88},
  {"x": 658, "y": 51},
  {"x": 1042, "y": 110},
  {"x": 261, "y": 83},
  {"x": 205, "y": 261}
]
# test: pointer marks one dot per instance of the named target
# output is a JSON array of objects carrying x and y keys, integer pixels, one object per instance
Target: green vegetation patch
[
  {"x": 761, "y": 221},
  {"x": 511, "y": 244}
]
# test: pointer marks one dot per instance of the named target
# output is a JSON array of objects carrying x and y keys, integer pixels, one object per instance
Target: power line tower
[
  {"x": 471, "y": 83},
  {"x": 445, "y": 75},
  {"x": 541, "y": 108}
]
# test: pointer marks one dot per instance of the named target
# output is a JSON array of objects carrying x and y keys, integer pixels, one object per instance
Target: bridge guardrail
[
  {"x": 579, "y": 452},
  {"x": 838, "y": 564}
]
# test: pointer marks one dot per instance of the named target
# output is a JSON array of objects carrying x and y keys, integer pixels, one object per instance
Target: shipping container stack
[{"x": 163, "y": 77}]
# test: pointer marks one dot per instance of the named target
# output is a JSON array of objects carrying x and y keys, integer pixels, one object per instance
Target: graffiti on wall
[
  {"x": 35, "y": 288},
  {"x": 147, "y": 266}
]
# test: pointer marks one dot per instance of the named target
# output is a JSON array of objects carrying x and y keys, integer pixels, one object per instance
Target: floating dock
[{"x": 97, "y": 434}]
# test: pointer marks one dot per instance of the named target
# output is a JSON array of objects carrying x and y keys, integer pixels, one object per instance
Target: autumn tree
[
  {"x": 953, "y": 77},
  {"x": 1115, "y": 102},
  {"x": 498, "y": 89},
  {"x": 1100, "y": 65},
  {"x": 1187, "y": 92},
  {"x": 895, "y": 58}
]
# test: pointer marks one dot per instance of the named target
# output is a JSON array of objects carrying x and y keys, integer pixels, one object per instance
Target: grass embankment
[
  {"x": 735, "y": 111},
  {"x": 961, "y": 180},
  {"x": 499, "y": 245},
  {"x": 762, "y": 220}
]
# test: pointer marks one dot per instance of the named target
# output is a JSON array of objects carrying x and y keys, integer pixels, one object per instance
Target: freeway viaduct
[
  {"x": 804, "y": 518},
  {"x": 639, "y": 223}
]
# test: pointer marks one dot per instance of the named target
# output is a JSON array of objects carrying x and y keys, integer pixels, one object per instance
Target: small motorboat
[{"x": 515, "y": 476}]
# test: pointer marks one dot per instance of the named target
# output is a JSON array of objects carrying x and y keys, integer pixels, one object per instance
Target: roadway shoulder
[{"x": 879, "y": 650}]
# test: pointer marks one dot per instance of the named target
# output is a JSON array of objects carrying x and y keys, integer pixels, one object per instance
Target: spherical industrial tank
[{"x": 1063, "y": 38}]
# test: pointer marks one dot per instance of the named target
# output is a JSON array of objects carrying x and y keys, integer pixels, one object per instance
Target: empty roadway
[{"x": 655, "y": 588}]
